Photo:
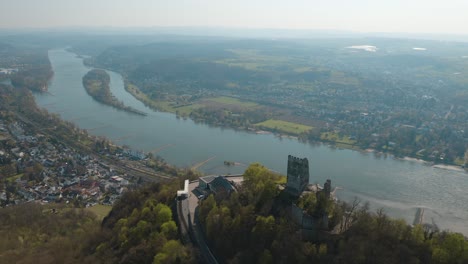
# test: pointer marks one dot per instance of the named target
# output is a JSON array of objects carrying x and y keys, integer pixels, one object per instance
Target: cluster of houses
[
  {"x": 49, "y": 171},
  {"x": 5, "y": 71}
]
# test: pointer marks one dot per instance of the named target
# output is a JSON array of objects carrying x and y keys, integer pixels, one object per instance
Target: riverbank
[
  {"x": 97, "y": 84},
  {"x": 436, "y": 166},
  {"x": 331, "y": 139},
  {"x": 449, "y": 167},
  {"x": 135, "y": 92},
  {"x": 397, "y": 186}
]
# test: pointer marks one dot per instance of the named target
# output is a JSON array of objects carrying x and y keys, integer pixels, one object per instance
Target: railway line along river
[{"x": 399, "y": 186}]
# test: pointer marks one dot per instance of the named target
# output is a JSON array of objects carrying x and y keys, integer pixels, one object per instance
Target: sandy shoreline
[
  {"x": 437, "y": 166},
  {"x": 448, "y": 167},
  {"x": 415, "y": 160}
]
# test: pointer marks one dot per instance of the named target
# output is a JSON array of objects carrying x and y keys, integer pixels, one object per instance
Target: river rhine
[{"x": 395, "y": 185}]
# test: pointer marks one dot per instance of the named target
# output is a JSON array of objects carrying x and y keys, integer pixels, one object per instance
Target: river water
[{"x": 395, "y": 185}]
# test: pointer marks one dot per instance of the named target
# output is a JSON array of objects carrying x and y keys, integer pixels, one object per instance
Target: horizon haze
[{"x": 362, "y": 16}]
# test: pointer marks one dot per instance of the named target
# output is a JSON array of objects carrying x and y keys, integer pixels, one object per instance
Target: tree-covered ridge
[
  {"x": 253, "y": 226},
  {"x": 250, "y": 226},
  {"x": 30, "y": 65},
  {"x": 141, "y": 229},
  {"x": 97, "y": 84},
  {"x": 31, "y": 233}
]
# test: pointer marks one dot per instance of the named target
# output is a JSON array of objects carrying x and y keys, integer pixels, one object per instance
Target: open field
[
  {"x": 284, "y": 126},
  {"x": 185, "y": 110},
  {"x": 342, "y": 78},
  {"x": 334, "y": 137},
  {"x": 132, "y": 89},
  {"x": 164, "y": 106},
  {"x": 232, "y": 101},
  {"x": 100, "y": 210},
  {"x": 347, "y": 146},
  {"x": 459, "y": 161},
  {"x": 251, "y": 59},
  {"x": 14, "y": 178}
]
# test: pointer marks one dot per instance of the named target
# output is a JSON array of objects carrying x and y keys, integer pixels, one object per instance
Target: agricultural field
[
  {"x": 334, "y": 137},
  {"x": 252, "y": 60},
  {"x": 229, "y": 101},
  {"x": 164, "y": 106},
  {"x": 14, "y": 178},
  {"x": 284, "y": 126}
]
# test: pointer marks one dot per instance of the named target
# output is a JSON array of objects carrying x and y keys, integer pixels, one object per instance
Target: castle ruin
[
  {"x": 297, "y": 175},
  {"x": 327, "y": 188}
]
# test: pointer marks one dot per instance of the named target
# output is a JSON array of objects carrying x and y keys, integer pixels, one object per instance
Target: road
[
  {"x": 186, "y": 209},
  {"x": 449, "y": 112},
  {"x": 189, "y": 209}
]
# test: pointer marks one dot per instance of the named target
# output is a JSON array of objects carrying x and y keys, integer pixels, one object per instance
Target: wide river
[{"x": 395, "y": 185}]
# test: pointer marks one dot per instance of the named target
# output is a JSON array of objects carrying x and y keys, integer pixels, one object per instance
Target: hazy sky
[{"x": 424, "y": 16}]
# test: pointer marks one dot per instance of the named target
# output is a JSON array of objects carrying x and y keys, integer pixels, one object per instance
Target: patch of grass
[
  {"x": 164, "y": 106},
  {"x": 251, "y": 66},
  {"x": 132, "y": 89},
  {"x": 459, "y": 161},
  {"x": 418, "y": 138},
  {"x": 252, "y": 60},
  {"x": 87, "y": 142},
  {"x": 334, "y": 137},
  {"x": 100, "y": 210},
  {"x": 233, "y": 101},
  {"x": 14, "y": 178},
  {"x": 186, "y": 109},
  {"x": 347, "y": 146},
  {"x": 342, "y": 78},
  {"x": 3, "y": 136},
  {"x": 284, "y": 126}
]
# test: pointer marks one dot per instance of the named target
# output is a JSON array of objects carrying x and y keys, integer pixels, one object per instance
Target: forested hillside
[
  {"x": 139, "y": 229},
  {"x": 254, "y": 226},
  {"x": 30, "y": 66}
]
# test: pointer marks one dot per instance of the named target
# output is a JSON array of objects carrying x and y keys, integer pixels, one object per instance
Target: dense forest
[
  {"x": 31, "y": 233},
  {"x": 139, "y": 229}
]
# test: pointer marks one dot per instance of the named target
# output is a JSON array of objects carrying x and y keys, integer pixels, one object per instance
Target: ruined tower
[
  {"x": 298, "y": 175},
  {"x": 327, "y": 188}
]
